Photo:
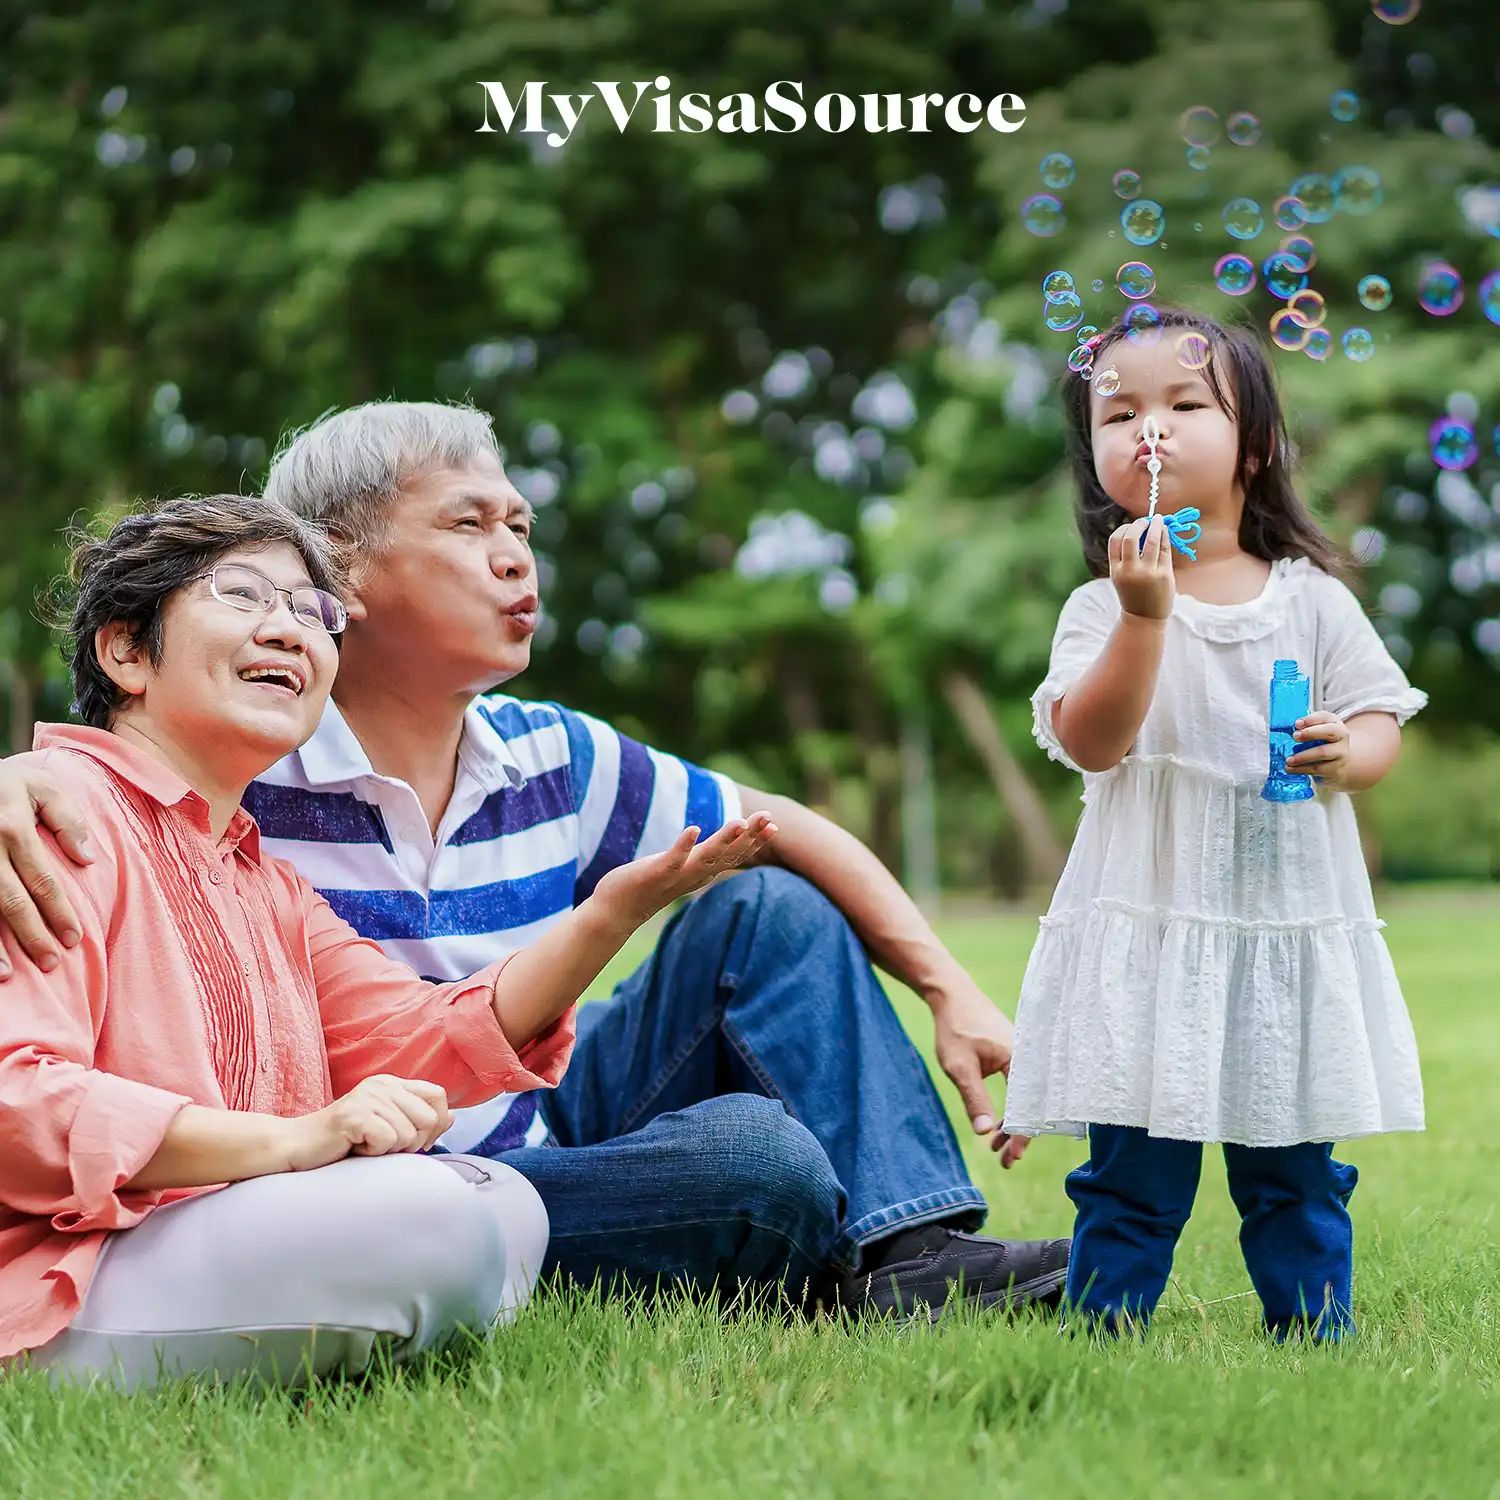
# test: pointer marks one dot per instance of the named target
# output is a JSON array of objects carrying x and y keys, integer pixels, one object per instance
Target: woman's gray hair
[{"x": 347, "y": 469}]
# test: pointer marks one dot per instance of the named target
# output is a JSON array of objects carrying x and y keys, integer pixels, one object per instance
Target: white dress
[{"x": 1211, "y": 967}]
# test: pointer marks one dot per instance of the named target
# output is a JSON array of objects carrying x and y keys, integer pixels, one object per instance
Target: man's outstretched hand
[
  {"x": 974, "y": 1040},
  {"x": 33, "y": 904}
]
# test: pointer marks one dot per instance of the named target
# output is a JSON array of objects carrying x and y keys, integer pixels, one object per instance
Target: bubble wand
[{"x": 1182, "y": 526}]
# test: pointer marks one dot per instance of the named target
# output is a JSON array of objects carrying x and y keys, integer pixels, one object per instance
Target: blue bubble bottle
[{"x": 1291, "y": 697}]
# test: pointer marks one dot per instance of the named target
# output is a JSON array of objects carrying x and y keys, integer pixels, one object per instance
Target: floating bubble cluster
[
  {"x": 1058, "y": 170},
  {"x": 1453, "y": 443},
  {"x": 1489, "y": 296},
  {"x": 1396, "y": 12},
  {"x": 1127, "y": 183},
  {"x": 1064, "y": 312},
  {"x": 1309, "y": 306},
  {"x": 1098, "y": 283},
  {"x": 1107, "y": 383},
  {"x": 1086, "y": 332},
  {"x": 1284, "y": 274},
  {"x": 1288, "y": 331},
  {"x": 1144, "y": 221},
  {"x": 1043, "y": 216},
  {"x": 1234, "y": 274},
  {"x": 1199, "y": 126},
  {"x": 1344, "y": 106},
  {"x": 1243, "y": 219},
  {"x": 1288, "y": 213},
  {"x": 1055, "y": 283},
  {"x": 1193, "y": 350},
  {"x": 1303, "y": 248},
  {"x": 1142, "y": 324},
  {"x": 1135, "y": 279},
  {"x": 1359, "y": 344},
  {"x": 1440, "y": 289},
  {"x": 1315, "y": 191},
  {"x": 1198, "y": 158},
  {"x": 1319, "y": 344},
  {"x": 1080, "y": 358},
  {"x": 1357, "y": 190},
  {"x": 1242, "y": 128},
  {"x": 1375, "y": 292}
]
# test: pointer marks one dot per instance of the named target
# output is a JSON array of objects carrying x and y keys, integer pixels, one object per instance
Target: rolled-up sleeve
[
  {"x": 380, "y": 1017},
  {"x": 71, "y": 1135},
  {"x": 1082, "y": 632},
  {"x": 1359, "y": 675}
]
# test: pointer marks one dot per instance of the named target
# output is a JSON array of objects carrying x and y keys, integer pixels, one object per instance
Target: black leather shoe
[{"x": 916, "y": 1273}]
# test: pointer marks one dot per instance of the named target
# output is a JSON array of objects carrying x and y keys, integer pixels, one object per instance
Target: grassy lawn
[{"x": 579, "y": 1400}]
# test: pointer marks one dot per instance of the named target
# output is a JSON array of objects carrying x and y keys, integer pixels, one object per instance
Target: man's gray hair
[{"x": 348, "y": 468}]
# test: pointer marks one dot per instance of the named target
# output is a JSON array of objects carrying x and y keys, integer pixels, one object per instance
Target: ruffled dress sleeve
[
  {"x": 1357, "y": 674},
  {"x": 1083, "y": 628}
]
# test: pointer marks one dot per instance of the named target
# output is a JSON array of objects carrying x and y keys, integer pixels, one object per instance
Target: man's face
[
  {"x": 249, "y": 684},
  {"x": 452, "y": 599}
]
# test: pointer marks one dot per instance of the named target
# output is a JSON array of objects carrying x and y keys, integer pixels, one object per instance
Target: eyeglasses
[{"x": 247, "y": 588}]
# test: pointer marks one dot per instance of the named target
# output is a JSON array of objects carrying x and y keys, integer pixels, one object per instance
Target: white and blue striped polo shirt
[{"x": 546, "y": 801}]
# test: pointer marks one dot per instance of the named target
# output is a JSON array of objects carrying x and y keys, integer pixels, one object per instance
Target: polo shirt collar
[{"x": 334, "y": 756}]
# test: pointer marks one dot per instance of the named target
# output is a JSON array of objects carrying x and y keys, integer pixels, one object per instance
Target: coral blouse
[{"x": 206, "y": 975}]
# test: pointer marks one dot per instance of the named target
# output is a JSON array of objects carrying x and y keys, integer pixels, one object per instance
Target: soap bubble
[
  {"x": 1316, "y": 192},
  {"x": 1107, "y": 383},
  {"x": 1309, "y": 306},
  {"x": 1097, "y": 283},
  {"x": 1288, "y": 331},
  {"x": 1143, "y": 221},
  {"x": 1395, "y": 12},
  {"x": 1199, "y": 126},
  {"x": 1142, "y": 323},
  {"x": 1283, "y": 274},
  {"x": 1359, "y": 344},
  {"x": 1193, "y": 350},
  {"x": 1058, "y": 170},
  {"x": 1303, "y": 248},
  {"x": 1135, "y": 279},
  {"x": 1489, "y": 296},
  {"x": 1234, "y": 274},
  {"x": 1375, "y": 292},
  {"x": 1357, "y": 190},
  {"x": 1064, "y": 312},
  {"x": 1043, "y": 216},
  {"x": 1453, "y": 443},
  {"x": 1086, "y": 332},
  {"x": 1344, "y": 106},
  {"x": 1127, "y": 183},
  {"x": 1198, "y": 158},
  {"x": 1287, "y": 212},
  {"x": 1440, "y": 289},
  {"x": 1319, "y": 344},
  {"x": 1243, "y": 219},
  {"x": 1055, "y": 283},
  {"x": 1242, "y": 128},
  {"x": 1080, "y": 357}
]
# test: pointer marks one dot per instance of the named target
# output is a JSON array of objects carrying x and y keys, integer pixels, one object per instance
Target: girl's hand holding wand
[{"x": 1142, "y": 575}]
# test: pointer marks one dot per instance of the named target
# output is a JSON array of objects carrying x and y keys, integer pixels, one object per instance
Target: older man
[{"x": 748, "y": 1092}]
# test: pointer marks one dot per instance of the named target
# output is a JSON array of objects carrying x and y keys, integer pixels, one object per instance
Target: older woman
[{"x": 209, "y": 1108}]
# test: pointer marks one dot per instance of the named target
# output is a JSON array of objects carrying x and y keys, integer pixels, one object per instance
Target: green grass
[{"x": 580, "y": 1400}]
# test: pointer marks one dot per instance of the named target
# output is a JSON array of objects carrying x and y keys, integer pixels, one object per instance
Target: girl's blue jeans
[{"x": 1134, "y": 1195}]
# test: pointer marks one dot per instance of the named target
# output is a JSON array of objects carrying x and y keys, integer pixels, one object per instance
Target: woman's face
[
  {"x": 1199, "y": 445},
  {"x": 245, "y": 686}
]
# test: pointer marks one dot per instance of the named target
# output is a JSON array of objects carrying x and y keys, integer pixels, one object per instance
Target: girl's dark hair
[
  {"x": 129, "y": 574},
  {"x": 1275, "y": 523}
]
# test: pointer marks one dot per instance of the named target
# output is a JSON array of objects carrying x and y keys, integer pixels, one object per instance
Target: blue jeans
[
  {"x": 746, "y": 1107},
  {"x": 1134, "y": 1195}
]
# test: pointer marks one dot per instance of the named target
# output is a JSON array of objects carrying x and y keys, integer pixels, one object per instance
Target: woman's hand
[
  {"x": 33, "y": 903},
  {"x": 637, "y": 891},
  {"x": 1327, "y": 763},
  {"x": 379, "y": 1116},
  {"x": 1143, "y": 577}
]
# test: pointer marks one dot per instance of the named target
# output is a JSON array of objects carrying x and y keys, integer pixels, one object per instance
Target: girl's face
[{"x": 1199, "y": 444}]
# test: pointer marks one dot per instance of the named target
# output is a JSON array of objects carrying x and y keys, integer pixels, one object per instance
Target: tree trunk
[
  {"x": 1043, "y": 851},
  {"x": 919, "y": 839},
  {"x": 22, "y": 695}
]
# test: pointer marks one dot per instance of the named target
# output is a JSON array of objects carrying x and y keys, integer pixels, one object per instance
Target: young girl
[{"x": 1211, "y": 967}]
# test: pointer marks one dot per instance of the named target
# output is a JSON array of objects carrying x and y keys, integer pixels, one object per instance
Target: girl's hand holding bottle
[
  {"x": 1143, "y": 575},
  {"x": 1327, "y": 762}
]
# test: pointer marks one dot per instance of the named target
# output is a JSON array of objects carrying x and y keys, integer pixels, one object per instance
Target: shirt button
[{"x": 216, "y": 877}]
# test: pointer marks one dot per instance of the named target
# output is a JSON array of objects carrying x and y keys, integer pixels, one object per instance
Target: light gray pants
[{"x": 308, "y": 1273}]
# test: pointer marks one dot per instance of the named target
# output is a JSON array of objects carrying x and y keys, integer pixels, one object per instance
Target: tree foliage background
[{"x": 785, "y": 402}]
